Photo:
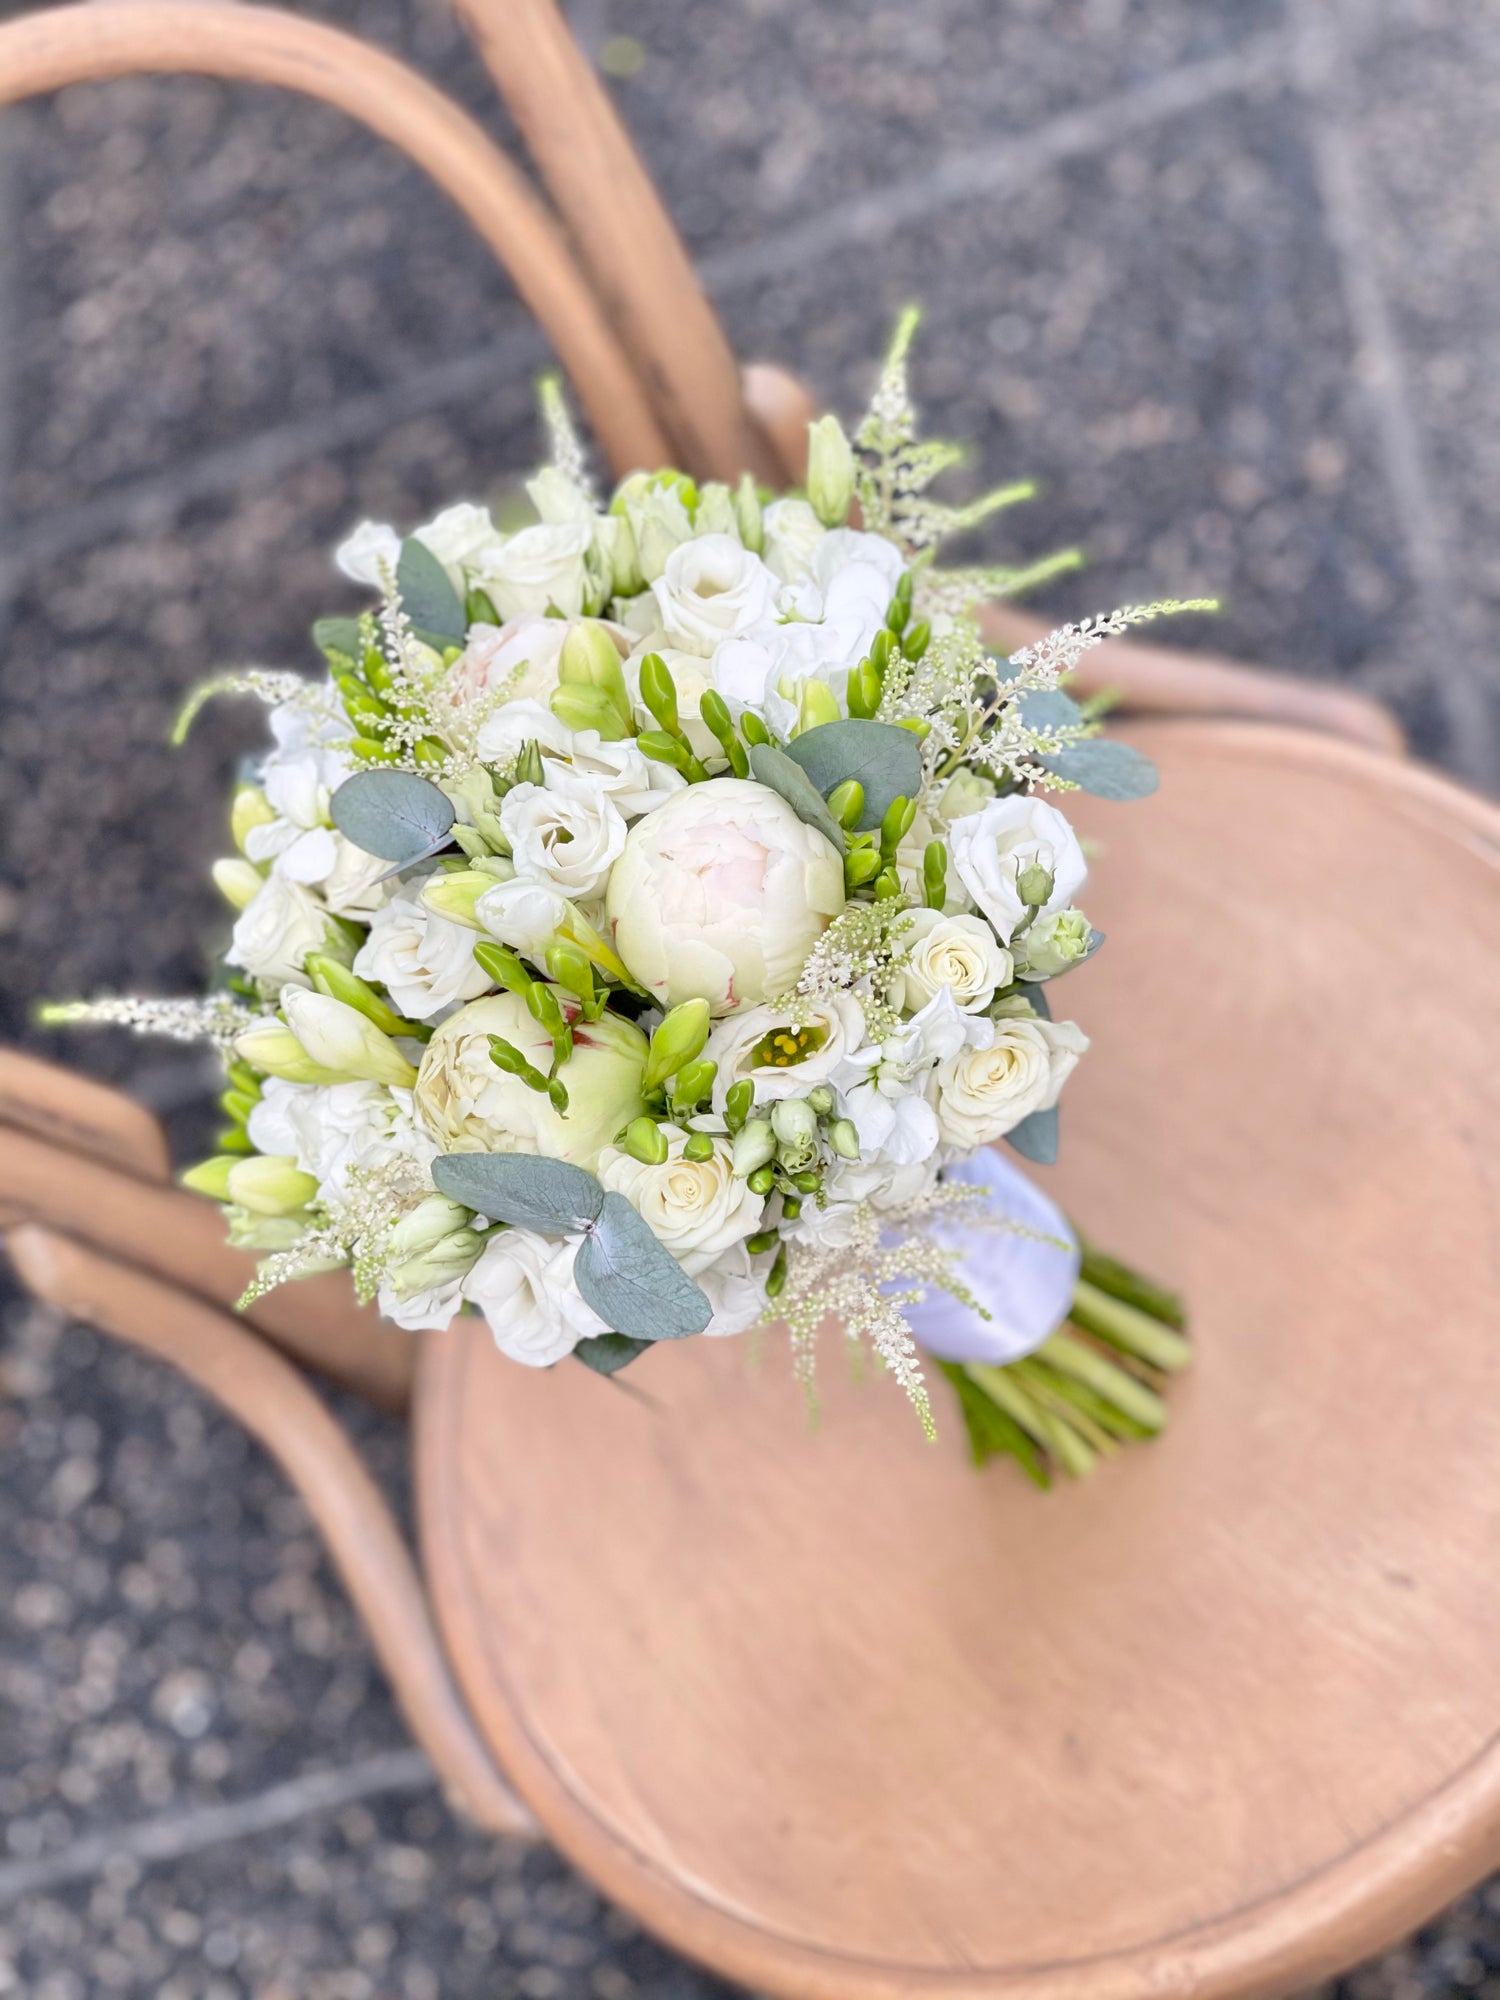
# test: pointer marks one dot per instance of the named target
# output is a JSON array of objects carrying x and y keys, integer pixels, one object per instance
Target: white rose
[
  {"x": 541, "y": 566},
  {"x": 523, "y": 1284},
  {"x": 527, "y": 916},
  {"x": 720, "y": 895},
  {"x": 276, "y": 930},
  {"x": 462, "y": 538},
  {"x": 985, "y": 1093},
  {"x": 736, "y": 1290},
  {"x": 568, "y": 835},
  {"x": 959, "y": 953},
  {"x": 992, "y": 849},
  {"x": 467, "y": 1105},
  {"x": 783, "y": 1058},
  {"x": 712, "y": 589},
  {"x": 361, "y": 554},
  {"x": 425, "y": 961},
  {"x": 696, "y": 1208},
  {"x": 329, "y": 1128}
]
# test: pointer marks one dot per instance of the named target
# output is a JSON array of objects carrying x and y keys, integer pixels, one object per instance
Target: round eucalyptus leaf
[
  {"x": 633, "y": 1284},
  {"x": 1108, "y": 769},
  {"x": 608, "y": 1353},
  {"x": 1049, "y": 708},
  {"x": 1035, "y": 1138},
  {"x": 885, "y": 760},
  {"x": 775, "y": 770},
  {"x": 427, "y": 596},
  {"x": 520, "y": 1188},
  {"x": 394, "y": 815}
]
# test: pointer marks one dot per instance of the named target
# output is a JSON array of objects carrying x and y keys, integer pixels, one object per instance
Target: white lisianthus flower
[
  {"x": 567, "y": 833},
  {"x": 794, "y": 535},
  {"x": 736, "y": 1290},
  {"x": 783, "y": 1059},
  {"x": 1056, "y": 944},
  {"x": 720, "y": 894},
  {"x": 424, "y": 960},
  {"x": 527, "y": 916},
  {"x": 299, "y": 777},
  {"x": 432, "y": 1310},
  {"x": 330, "y": 1128},
  {"x": 361, "y": 554},
  {"x": 959, "y": 953},
  {"x": 355, "y": 886},
  {"x": 992, "y": 850},
  {"x": 617, "y": 771},
  {"x": 712, "y": 589},
  {"x": 850, "y": 575},
  {"x": 276, "y": 930},
  {"x": 541, "y": 566},
  {"x": 887, "y": 1087},
  {"x": 523, "y": 1284},
  {"x": 467, "y": 1105},
  {"x": 767, "y": 669},
  {"x": 984, "y": 1093},
  {"x": 695, "y": 1208}
]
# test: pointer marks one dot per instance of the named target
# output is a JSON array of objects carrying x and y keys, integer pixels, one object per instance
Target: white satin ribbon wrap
[{"x": 1025, "y": 1285}]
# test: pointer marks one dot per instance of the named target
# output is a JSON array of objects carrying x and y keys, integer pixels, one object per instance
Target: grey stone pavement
[{"x": 1224, "y": 278}]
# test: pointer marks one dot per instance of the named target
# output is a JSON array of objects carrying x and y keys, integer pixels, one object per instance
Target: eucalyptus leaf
[
  {"x": 885, "y": 760},
  {"x": 1035, "y": 1138},
  {"x": 1049, "y": 708},
  {"x": 338, "y": 635},
  {"x": 635, "y": 1285},
  {"x": 774, "y": 769},
  {"x": 393, "y": 814},
  {"x": 1108, "y": 769},
  {"x": 1035, "y": 992},
  {"x": 427, "y": 596},
  {"x": 608, "y": 1353},
  {"x": 521, "y": 1188}
]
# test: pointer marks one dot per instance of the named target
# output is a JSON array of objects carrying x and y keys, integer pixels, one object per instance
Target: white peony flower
[
  {"x": 992, "y": 850},
  {"x": 424, "y": 960},
  {"x": 720, "y": 895},
  {"x": 957, "y": 953},
  {"x": 329, "y": 1128},
  {"x": 736, "y": 1290},
  {"x": 467, "y": 1105},
  {"x": 276, "y": 930},
  {"x": 697, "y": 1209},
  {"x": 361, "y": 554},
  {"x": 712, "y": 589},
  {"x": 567, "y": 833},
  {"x": 541, "y": 566},
  {"x": 523, "y": 1284},
  {"x": 784, "y": 1059},
  {"x": 984, "y": 1093}
]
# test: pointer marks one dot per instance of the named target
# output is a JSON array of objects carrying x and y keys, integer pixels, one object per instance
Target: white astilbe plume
[
  {"x": 862, "y": 952},
  {"x": 420, "y": 698},
  {"x": 1046, "y": 662},
  {"x": 274, "y": 687},
  {"x": 564, "y": 444},
  {"x": 355, "y": 1230},
  {"x": 216, "y": 1018}
]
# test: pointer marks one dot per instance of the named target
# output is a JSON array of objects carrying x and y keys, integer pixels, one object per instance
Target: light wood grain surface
[{"x": 842, "y": 1718}]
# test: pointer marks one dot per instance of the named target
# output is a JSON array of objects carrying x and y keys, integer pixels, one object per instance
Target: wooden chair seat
[{"x": 843, "y": 1718}]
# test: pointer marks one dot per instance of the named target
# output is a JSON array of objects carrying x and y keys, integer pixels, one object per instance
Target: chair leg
[
  {"x": 277, "y": 1406},
  {"x": 86, "y": 1117}
]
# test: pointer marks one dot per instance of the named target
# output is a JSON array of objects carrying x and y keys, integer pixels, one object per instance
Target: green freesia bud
[
  {"x": 865, "y": 690},
  {"x": 678, "y": 1040},
  {"x": 570, "y": 968},
  {"x": 739, "y": 1103},
  {"x": 693, "y": 1083},
  {"x": 698, "y": 1148},
  {"x": 590, "y": 659},
  {"x": 449, "y": 1258},
  {"x": 900, "y": 818},
  {"x": 428, "y": 1223},
  {"x": 830, "y": 471},
  {"x": 251, "y": 808},
  {"x": 754, "y": 1147},
  {"x": 844, "y": 1139},
  {"x": 589, "y": 708},
  {"x": 752, "y": 728},
  {"x": 456, "y": 896},
  {"x": 934, "y": 875},
  {"x": 328, "y": 976},
  {"x": 916, "y": 640},
  {"x": 748, "y": 516},
  {"x": 794, "y": 1122},
  {"x": 816, "y": 703},
  {"x": 238, "y": 882},
  {"x": 529, "y": 767},
  {"x": 341, "y": 1039},
  {"x": 211, "y": 1177},
  {"x": 1055, "y": 943},
  {"x": 861, "y": 866},
  {"x": 846, "y": 802},
  {"x": 662, "y": 748},
  {"x": 272, "y": 1047},
  {"x": 716, "y": 513},
  {"x": 659, "y": 692},
  {"x": 618, "y": 538},
  {"x": 762, "y": 1180},
  {"x": 645, "y": 1141},
  {"x": 270, "y": 1184},
  {"x": 1034, "y": 884}
]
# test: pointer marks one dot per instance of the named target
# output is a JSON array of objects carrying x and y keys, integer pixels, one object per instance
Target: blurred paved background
[{"x": 1225, "y": 279}]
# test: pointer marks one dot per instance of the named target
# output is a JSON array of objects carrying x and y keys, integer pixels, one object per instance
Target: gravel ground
[{"x": 1223, "y": 279}]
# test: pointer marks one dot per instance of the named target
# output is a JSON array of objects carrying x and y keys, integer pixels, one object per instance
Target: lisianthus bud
[
  {"x": 749, "y": 521},
  {"x": 618, "y": 539},
  {"x": 271, "y": 1046},
  {"x": 450, "y": 1257},
  {"x": 251, "y": 808},
  {"x": 660, "y": 523},
  {"x": 238, "y": 882},
  {"x": 716, "y": 511},
  {"x": 1034, "y": 884},
  {"x": 830, "y": 471},
  {"x": 456, "y": 896},
  {"x": 270, "y": 1184},
  {"x": 1054, "y": 943},
  {"x": 341, "y": 1039},
  {"x": 676, "y": 1042},
  {"x": 794, "y": 1122},
  {"x": 474, "y": 794},
  {"x": 588, "y": 708},
  {"x": 428, "y": 1223},
  {"x": 754, "y": 1146},
  {"x": 821, "y": 1099}
]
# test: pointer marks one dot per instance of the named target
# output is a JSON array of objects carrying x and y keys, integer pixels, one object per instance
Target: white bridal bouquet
[{"x": 649, "y": 924}]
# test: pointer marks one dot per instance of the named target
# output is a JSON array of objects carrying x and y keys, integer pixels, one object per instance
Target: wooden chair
[{"x": 825, "y": 1709}]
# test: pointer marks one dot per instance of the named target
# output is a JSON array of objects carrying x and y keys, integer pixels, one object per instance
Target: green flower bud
[
  {"x": 861, "y": 865},
  {"x": 934, "y": 875},
  {"x": 450, "y": 1257},
  {"x": 328, "y": 976},
  {"x": 529, "y": 767},
  {"x": 1055, "y": 943},
  {"x": 865, "y": 690},
  {"x": 816, "y": 704},
  {"x": 570, "y": 968},
  {"x": 660, "y": 521},
  {"x": 791, "y": 1207},
  {"x": 739, "y": 1103},
  {"x": 248, "y": 1231},
  {"x": 900, "y": 817},
  {"x": 272, "y": 1047},
  {"x": 753, "y": 729},
  {"x": 716, "y": 513},
  {"x": 808, "y": 1182},
  {"x": 341, "y": 1039},
  {"x": 754, "y": 1146},
  {"x": 645, "y": 1141},
  {"x": 473, "y": 795},
  {"x": 1034, "y": 884},
  {"x": 659, "y": 692},
  {"x": 211, "y": 1177},
  {"x": 822, "y": 1099},
  {"x": 750, "y": 520},
  {"x": 428, "y": 1223},
  {"x": 761, "y": 1181},
  {"x": 830, "y": 471},
  {"x": 238, "y": 882},
  {"x": 915, "y": 642},
  {"x": 776, "y": 1280},
  {"x": 589, "y": 708},
  {"x": 251, "y": 808},
  {"x": 618, "y": 538},
  {"x": 880, "y": 652},
  {"x": 455, "y": 896},
  {"x": 846, "y": 802},
  {"x": 590, "y": 659},
  {"x": 678, "y": 1040},
  {"x": 844, "y": 1139},
  {"x": 662, "y": 748},
  {"x": 698, "y": 1148},
  {"x": 270, "y": 1184},
  {"x": 967, "y": 791},
  {"x": 794, "y": 1122}
]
